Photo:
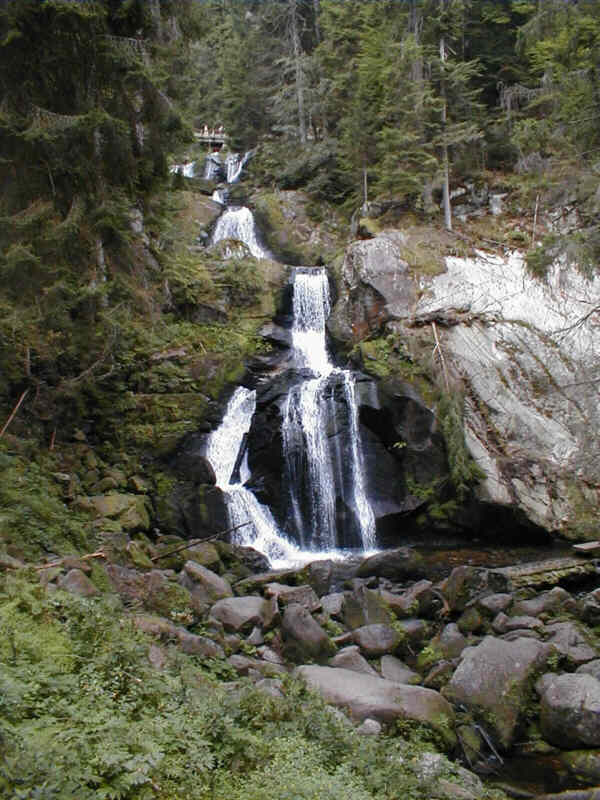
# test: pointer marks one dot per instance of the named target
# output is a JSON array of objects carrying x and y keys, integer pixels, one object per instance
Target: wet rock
[
  {"x": 570, "y": 642},
  {"x": 377, "y": 640},
  {"x": 570, "y": 710},
  {"x": 386, "y": 287},
  {"x": 368, "y": 697},
  {"x": 396, "y": 565},
  {"x": 350, "y": 658},
  {"x": 395, "y": 670},
  {"x": 493, "y": 680},
  {"x": 256, "y": 583},
  {"x": 303, "y": 637},
  {"x": 76, "y": 582},
  {"x": 240, "y": 613}
]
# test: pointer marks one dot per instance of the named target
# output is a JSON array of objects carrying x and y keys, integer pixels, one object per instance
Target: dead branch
[
  {"x": 61, "y": 561},
  {"x": 14, "y": 411},
  {"x": 193, "y": 542}
]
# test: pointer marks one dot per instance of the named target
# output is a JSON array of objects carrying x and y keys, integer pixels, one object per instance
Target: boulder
[
  {"x": 350, "y": 658},
  {"x": 493, "y": 681},
  {"x": 417, "y": 601},
  {"x": 206, "y": 582},
  {"x": 304, "y": 638},
  {"x": 590, "y": 668},
  {"x": 375, "y": 284},
  {"x": 570, "y": 711},
  {"x": 584, "y": 765},
  {"x": 395, "y": 670},
  {"x": 556, "y": 600},
  {"x": 77, "y": 582},
  {"x": 570, "y": 642},
  {"x": 240, "y": 613},
  {"x": 377, "y": 640},
  {"x": 493, "y": 604},
  {"x": 463, "y": 585},
  {"x": 369, "y": 697},
  {"x": 365, "y": 607},
  {"x": 303, "y": 595},
  {"x": 131, "y": 510},
  {"x": 451, "y": 642},
  {"x": 319, "y": 575},
  {"x": 199, "y": 646},
  {"x": 396, "y": 565},
  {"x": 333, "y": 604}
]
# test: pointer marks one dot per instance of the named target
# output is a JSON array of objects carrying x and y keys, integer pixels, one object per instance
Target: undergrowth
[{"x": 84, "y": 715}]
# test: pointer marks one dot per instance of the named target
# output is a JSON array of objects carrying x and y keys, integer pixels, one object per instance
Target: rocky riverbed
[{"x": 495, "y": 662}]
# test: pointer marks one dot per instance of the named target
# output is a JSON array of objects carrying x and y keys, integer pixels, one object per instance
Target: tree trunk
[
  {"x": 445, "y": 160},
  {"x": 297, "y": 51}
]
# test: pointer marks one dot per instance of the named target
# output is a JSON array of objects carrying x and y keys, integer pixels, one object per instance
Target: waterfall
[
  {"x": 324, "y": 468},
  {"x": 223, "y": 451},
  {"x": 234, "y": 164},
  {"x": 238, "y": 223},
  {"x": 321, "y": 443}
]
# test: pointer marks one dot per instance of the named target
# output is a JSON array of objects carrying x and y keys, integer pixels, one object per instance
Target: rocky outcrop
[{"x": 522, "y": 349}]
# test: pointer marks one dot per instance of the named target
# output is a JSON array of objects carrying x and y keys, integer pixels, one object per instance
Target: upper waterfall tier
[{"x": 238, "y": 223}]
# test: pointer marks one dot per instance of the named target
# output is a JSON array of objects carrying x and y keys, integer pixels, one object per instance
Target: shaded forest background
[{"x": 387, "y": 102}]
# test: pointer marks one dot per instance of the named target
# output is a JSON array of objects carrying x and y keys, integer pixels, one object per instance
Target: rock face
[
  {"x": 493, "y": 680},
  {"x": 368, "y": 697},
  {"x": 525, "y": 350}
]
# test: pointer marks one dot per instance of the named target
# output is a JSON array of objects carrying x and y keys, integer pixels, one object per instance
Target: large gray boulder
[
  {"x": 241, "y": 613},
  {"x": 304, "y": 638},
  {"x": 350, "y": 658},
  {"x": 398, "y": 564},
  {"x": 204, "y": 583},
  {"x": 377, "y": 640},
  {"x": 570, "y": 710},
  {"x": 365, "y": 696},
  {"x": 494, "y": 679}
]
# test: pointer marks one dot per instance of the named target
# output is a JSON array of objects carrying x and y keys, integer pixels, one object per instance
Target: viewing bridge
[{"x": 212, "y": 137}]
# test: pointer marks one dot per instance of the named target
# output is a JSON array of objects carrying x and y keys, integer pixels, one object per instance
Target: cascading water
[
  {"x": 324, "y": 468},
  {"x": 234, "y": 164},
  {"x": 323, "y": 471},
  {"x": 238, "y": 223},
  {"x": 223, "y": 452},
  {"x": 328, "y": 506}
]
